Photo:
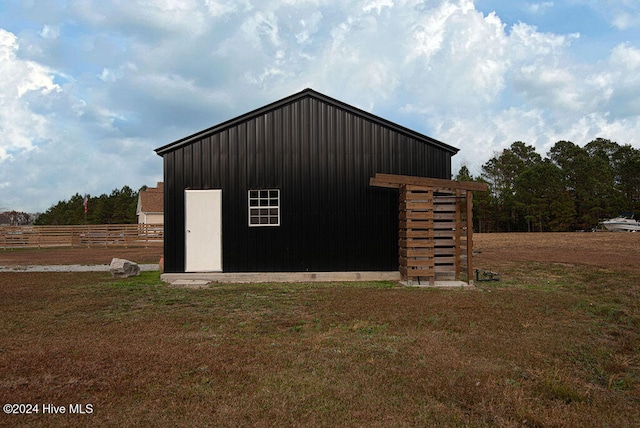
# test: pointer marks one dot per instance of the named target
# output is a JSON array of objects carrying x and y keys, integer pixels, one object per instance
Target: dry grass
[
  {"x": 552, "y": 345},
  {"x": 83, "y": 256}
]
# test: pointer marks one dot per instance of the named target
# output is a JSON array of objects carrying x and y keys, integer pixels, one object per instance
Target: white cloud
[
  {"x": 456, "y": 57},
  {"x": 260, "y": 28},
  {"x": 621, "y": 14},
  {"x": 20, "y": 126},
  {"x": 621, "y": 81},
  {"x": 219, "y": 8},
  {"x": 148, "y": 19},
  {"x": 527, "y": 41},
  {"x": 626, "y": 57},
  {"x": 309, "y": 26},
  {"x": 625, "y": 15},
  {"x": 377, "y": 5},
  {"x": 538, "y": 7},
  {"x": 50, "y": 32}
]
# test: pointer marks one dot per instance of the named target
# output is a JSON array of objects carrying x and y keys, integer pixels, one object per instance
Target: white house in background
[{"x": 150, "y": 208}]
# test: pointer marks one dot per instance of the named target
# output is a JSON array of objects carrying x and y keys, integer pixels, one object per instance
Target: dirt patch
[
  {"x": 81, "y": 256},
  {"x": 615, "y": 251}
]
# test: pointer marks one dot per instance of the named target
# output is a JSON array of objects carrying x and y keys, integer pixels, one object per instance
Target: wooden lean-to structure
[{"x": 435, "y": 234}]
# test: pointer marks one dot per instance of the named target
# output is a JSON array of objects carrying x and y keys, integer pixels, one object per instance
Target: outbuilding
[
  {"x": 286, "y": 188},
  {"x": 150, "y": 209}
]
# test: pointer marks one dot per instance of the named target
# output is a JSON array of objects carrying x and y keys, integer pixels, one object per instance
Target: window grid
[{"x": 264, "y": 207}]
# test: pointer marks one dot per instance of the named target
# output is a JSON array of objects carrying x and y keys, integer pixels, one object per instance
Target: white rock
[{"x": 121, "y": 268}]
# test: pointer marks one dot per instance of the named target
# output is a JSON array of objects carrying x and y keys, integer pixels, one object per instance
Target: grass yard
[{"x": 554, "y": 344}]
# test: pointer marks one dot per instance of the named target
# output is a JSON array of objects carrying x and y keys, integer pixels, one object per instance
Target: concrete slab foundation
[
  {"x": 191, "y": 283},
  {"x": 200, "y": 280},
  {"x": 438, "y": 284},
  {"x": 190, "y": 279}
]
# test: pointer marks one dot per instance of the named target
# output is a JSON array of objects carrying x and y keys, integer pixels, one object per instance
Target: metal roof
[{"x": 292, "y": 98}]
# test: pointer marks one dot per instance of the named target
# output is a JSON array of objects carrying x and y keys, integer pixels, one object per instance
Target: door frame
[{"x": 203, "y": 234}]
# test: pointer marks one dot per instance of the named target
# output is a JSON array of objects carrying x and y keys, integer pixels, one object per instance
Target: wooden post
[
  {"x": 469, "y": 237},
  {"x": 458, "y": 235},
  {"x": 402, "y": 236}
]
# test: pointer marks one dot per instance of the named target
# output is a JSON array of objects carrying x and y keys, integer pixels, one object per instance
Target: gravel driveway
[{"x": 69, "y": 268}]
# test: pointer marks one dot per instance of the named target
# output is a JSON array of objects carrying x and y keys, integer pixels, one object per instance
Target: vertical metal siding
[{"x": 321, "y": 158}]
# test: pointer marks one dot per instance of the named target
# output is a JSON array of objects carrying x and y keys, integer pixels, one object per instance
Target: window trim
[{"x": 261, "y": 206}]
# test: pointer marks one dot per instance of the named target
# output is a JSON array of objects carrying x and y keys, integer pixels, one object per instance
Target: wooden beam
[
  {"x": 469, "y": 237},
  {"x": 377, "y": 183},
  {"x": 395, "y": 181}
]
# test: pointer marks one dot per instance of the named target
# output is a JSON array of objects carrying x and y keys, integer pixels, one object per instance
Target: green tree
[
  {"x": 124, "y": 205},
  {"x": 64, "y": 212},
  {"x": 589, "y": 179},
  {"x": 464, "y": 174},
  {"x": 500, "y": 172},
  {"x": 117, "y": 208},
  {"x": 482, "y": 201},
  {"x": 543, "y": 199},
  {"x": 573, "y": 188},
  {"x": 626, "y": 166},
  {"x": 602, "y": 148}
]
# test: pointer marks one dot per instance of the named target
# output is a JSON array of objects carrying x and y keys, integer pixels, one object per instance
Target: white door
[{"x": 203, "y": 234}]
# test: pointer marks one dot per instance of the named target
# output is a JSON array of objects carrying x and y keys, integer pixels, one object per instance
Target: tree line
[
  {"x": 572, "y": 188},
  {"x": 117, "y": 208},
  {"x": 16, "y": 218}
]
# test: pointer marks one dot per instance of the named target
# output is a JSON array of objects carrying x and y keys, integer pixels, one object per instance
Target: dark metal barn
[{"x": 285, "y": 188}]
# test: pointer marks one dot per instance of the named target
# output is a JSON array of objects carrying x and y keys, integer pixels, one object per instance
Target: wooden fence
[{"x": 104, "y": 235}]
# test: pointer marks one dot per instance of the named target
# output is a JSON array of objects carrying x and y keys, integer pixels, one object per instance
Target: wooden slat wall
[
  {"x": 416, "y": 234},
  {"x": 432, "y": 234},
  {"x": 446, "y": 243},
  {"x": 124, "y": 235}
]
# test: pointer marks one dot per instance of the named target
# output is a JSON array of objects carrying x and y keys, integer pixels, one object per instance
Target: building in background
[{"x": 150, "y": 208}]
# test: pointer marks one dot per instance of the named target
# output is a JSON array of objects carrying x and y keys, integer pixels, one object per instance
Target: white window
[{"x": 264, "y": 207}]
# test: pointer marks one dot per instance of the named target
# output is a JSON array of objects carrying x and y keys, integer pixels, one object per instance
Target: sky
[{"x": 89, "y": 88}]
